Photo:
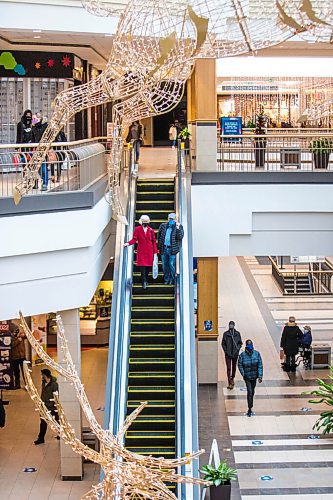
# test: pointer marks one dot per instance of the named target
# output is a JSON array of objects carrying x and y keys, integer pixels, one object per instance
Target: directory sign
[
  {"x": 231, "y": 126},
  {"x": 6, "y": 360}
]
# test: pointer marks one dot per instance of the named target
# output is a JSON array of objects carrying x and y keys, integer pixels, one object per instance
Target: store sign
[
  {"x": 306, "y": 259},
  {"x": 38, "y": 328},
  {"x": 6, "y": 359},
  {"x": 248, "y": 88},
  {"x": 31, "y": 64},
  {"x": 231, "y": 126}
]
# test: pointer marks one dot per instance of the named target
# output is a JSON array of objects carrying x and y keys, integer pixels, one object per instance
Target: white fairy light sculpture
[
  {"x": 126, "y": 474},
  {"x": 153, "y": 52}
]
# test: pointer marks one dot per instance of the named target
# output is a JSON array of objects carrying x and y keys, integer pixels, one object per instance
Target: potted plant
[
  {"x": 184, "y": 135},
  {"x": 321, "y": 149},
  {"x": 220, "y": 479},
  {"x": 260, "y": 142},
  {"x": 324, "y": 394}
]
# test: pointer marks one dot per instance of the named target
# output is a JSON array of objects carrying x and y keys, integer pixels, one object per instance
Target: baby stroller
[{"x": 304, "y": 350}]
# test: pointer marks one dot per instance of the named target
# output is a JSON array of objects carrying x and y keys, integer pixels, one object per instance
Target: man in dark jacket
[
  {"x": 231, "y": 344},
  {"x": 24, "y": 128},
  {"x": 2, "y": 414},
  {"x": 251, "y": 369},
  {"x": 49, "y": 386},
  {"x": 170, "y": 235},
  {"x": 18, "y": 353},
  {"x": 291, "y": 337}
]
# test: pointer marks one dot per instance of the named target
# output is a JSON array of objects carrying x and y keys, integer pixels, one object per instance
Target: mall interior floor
[{"x": 276, "y": 442}]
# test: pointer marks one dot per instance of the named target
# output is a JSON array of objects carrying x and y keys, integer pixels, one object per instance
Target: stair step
[
  {"x": 152, "y": 351},
  {"x": 140, "y": 364},
  {"x": 154, "y": 423},
  {"x": 146, "y": 301},
  {"x": 154, "y": 451},
  {"x": 142, "y": 325},
  {"x": 161, "y": 195},
  {"x": 152, "y": 378},
  {"x": 150, "y": 438},
  {"x": 153, "y": 407},
  {"x": 151, "y": 312},
  {"x": 150, "y": 393},
  {"x": 152, "y": 338}
]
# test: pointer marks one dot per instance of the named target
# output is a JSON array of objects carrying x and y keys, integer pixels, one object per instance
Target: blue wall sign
[{"x": 231, "y": 126}]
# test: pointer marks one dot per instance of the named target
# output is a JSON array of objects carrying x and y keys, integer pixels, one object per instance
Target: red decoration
[
  {"x": 66, "y": 61},
  {"x": 50, "y": 63},
  {"x": 38, "y": 65}
]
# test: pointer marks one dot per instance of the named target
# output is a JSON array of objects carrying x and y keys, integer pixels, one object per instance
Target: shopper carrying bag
[{"x": 155, "y": 267}]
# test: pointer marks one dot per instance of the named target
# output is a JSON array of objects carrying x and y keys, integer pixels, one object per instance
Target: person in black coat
[
  {"x": 2, "y": 414},
  {"x": 290, "y": 340},
  {"x": 231, "y": 344},
  {"x": 24, "y": 128}
]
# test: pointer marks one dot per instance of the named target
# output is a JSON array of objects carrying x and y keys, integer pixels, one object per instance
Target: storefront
[
  {"x": 283, "y": 99},
  {"x": 32, "y": 80}
]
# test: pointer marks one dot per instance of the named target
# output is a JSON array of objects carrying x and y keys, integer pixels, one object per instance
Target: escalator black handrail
[
  {"x": 117, "y": 375},
  {"x": 187, "y": 416}
]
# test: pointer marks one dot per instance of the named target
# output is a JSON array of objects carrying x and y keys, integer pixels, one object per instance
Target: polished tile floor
[
  {"x": 274, "y": 451},
  {"x": 17, "y": 450}
]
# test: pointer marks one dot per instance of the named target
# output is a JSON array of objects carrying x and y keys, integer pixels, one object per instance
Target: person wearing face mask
[
  {"x": 39, "y": 126},
  {"x": 24, "y": 128},
  {"x": 251, "y": 368},
  {"x": 170, "y": 235},
  {"x": 145, "y": 238},
  {"x": 231, "y": 344}
]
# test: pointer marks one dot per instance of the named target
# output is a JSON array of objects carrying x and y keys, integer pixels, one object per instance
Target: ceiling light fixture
[
  {"x": 108, "y": 34},
  {"x": 36, "y": 31},
  {"x": 37, "y": 36}
]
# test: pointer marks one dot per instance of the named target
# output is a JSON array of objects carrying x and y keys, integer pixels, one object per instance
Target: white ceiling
[{"x": 93, "y": 47}]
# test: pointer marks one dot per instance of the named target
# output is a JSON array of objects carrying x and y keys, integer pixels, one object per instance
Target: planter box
[
  {"x": 321, "y": 160},
  {"x": 222, "y": 492}
]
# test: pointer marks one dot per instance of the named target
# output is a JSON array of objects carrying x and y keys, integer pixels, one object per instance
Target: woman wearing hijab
[
  {"x": 145, "y": 238},
  {"x": 290, "y": 340}
]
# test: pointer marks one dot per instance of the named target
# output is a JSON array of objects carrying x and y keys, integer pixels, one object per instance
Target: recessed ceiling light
[
  {"x": 36, "y": 31},
  {"x": 37, "y": 36},
  {"x": 108, "y": 34},
  {"x": 312, "y": 41}
]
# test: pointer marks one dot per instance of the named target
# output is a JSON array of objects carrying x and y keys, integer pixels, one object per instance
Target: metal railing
[
  {"x": 319, "y": 277},
  {"x": 186, "y": 380},
  {"x": 275, "y": 152},
  {"x": 69, "y": 166}
]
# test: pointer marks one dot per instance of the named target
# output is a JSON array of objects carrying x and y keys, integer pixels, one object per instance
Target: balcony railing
[
  {"x": 275, "y": 152},
  {"x": 69, "y": 166}
]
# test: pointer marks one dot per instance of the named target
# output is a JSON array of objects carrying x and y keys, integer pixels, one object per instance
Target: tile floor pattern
[
  {"x": 17, "y": 450},
  {"x": 300, "y": 467}
]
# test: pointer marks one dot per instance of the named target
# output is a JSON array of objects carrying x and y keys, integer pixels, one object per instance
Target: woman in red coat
[{"x": 144, "y": 236}]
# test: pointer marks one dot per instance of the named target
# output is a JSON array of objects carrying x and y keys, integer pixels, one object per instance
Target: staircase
[
  {"x": 152, "y": 340},
  {"x": 302, "y": 285}
]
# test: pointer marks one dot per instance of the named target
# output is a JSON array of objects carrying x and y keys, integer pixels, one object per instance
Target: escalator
[
  {"x": 151, "y": 375},
  {"x": 152, "y": 341}
]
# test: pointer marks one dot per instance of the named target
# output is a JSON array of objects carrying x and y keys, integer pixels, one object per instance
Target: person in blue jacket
[{"x": 251, "y": 368}]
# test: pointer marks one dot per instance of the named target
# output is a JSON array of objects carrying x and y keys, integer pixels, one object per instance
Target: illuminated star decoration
[
  {"x": 66, "y": 61},
  {"x": 50, "y": 63},
  {"x": 38, "y": 65}
]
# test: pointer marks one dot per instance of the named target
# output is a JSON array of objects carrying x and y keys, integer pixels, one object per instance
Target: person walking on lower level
[
  {"x": 251, "y": 368},
  {"x": 49, "y": 386},
  {"x": 173, "y": 135},
  {"x": 291, "y": 337},
  {"x": 170, "y": 235},
  {"x": 231, "y": 344}
]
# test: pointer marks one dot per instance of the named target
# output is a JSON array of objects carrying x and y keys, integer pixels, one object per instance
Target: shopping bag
[{"x": 155, "y": 266}]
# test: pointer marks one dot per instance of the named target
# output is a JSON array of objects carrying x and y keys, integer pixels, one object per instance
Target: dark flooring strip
[
  {"x": 263, "y": 437},
  {"x": 288, "y": 465},
  {"x": 272, "y": 413},
  {"x": 283, "y": 447},
  {"x": 286, "y": 491},
  {"x": 270, "y": 396}
]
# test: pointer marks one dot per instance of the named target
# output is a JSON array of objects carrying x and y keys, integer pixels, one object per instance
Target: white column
[{"x": 71, "y": 463}]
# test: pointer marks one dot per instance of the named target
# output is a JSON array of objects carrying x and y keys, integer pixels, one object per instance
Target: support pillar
[
  {"x": 207, "y": 332},
  {"x": 71, "y": 463},
  {"x": 202, "y": 113}
]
